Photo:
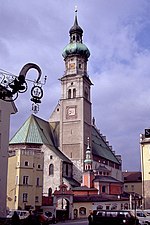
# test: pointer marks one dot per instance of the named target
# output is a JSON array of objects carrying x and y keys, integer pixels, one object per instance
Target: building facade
[
  {"x": 145, "y": 167},
  {"x": 70, "y": 131},
  {"x": 25, "y": 177},
  {"x": 133, "y": 182},
  {"x": 6, "y": 109}
]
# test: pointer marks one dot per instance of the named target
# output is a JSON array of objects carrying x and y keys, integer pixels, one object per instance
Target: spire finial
[
  {"x": 88, "y": 143},
  {"x": 76, "y": 9},
  {"x": 76, "y": 22}
]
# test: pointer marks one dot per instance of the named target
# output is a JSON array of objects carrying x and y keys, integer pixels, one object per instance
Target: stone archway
[{"x": 65, "y": 195}]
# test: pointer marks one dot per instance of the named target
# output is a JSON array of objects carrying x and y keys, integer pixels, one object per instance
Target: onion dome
[{"x": 76, "y": 47}]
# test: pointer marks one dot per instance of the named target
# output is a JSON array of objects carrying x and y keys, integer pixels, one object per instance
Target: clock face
[
  {"x": 71, "y": 112},
  {"x": 72, "y": 66}
]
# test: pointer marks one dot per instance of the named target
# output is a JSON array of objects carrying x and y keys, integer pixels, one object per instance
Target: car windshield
[{"x": 140, "y": 214}]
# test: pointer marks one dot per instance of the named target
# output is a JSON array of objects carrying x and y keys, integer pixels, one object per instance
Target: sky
[{"x": 117, "y": 33}]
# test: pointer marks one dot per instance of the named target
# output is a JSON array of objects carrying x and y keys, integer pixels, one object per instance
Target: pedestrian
[
  {"x": 90, "y": 218},
  {"x": 15, "y": 220},
  {"x": 32, "y": 219},
  {"x": 53, "y": 219}
]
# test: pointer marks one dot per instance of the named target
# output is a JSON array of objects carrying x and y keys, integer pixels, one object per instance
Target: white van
[{"x": 21, "y": 213}]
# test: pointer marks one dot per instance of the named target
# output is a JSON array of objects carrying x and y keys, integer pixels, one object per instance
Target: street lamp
[{"x": 11, "y": 85}]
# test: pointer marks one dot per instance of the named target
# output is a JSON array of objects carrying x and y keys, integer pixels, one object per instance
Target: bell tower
[{"x": 75, "y": 102}]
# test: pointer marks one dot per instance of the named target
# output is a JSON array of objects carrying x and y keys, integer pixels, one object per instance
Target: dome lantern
[{"x": 76, "y": 47}]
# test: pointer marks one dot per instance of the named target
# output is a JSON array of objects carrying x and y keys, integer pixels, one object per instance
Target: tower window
[
  {"x": 39, "y": 166},
  {"x": 51, "y": 169},
  {"x": 78, "y": 38},
  {"x": 80, "y": 66},
  {"x": 38, "y": 181},
  {"x": 74, "y": 93},
  {"x": 69, "y": 93},
  {"x": 74, "y": 38},
  {"x": 26, "y": 163},
  {"x": 50, "y": 192}
]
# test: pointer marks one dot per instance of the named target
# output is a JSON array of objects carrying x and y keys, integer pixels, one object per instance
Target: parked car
[
  {"x": 51, "y": 217},
  {"x": 23, "y": 214},
  {"x": 143, "y": 218},
  {"x": 114, "y": 217}
]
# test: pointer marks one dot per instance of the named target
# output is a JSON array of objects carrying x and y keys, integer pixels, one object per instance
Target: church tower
[{"x": 75, "y": 102}]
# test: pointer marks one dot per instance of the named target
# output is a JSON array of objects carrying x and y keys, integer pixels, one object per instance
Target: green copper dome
[{"x": 76, "y": 48}]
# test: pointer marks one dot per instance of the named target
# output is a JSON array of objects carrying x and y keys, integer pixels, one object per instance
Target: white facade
[{"x": 6, "y": 109}]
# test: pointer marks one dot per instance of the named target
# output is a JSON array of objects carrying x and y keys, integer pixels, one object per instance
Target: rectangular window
[
  {"x": 36, "y": 198},
  {"x": 26, "y": 163},
  {"x": 25, "y": 197},
  {"x": 16, "y": 180},
  {"x": 38, "y": 181},
  {"x": 132, "y": 187},
  {"x": 25, "y": 180}
]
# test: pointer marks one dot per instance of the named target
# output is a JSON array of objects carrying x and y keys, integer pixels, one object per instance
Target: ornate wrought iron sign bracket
[{"x": 11, "y": 85}]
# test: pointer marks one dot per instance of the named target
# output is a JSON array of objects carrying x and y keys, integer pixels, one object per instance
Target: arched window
[
  {"x": 50, "y": 192},
  {"x": 51, "y": 169},
  {"x": 75, "y": 213},
  {"x": 69, "y": 93},
  {"x": 103, "y": 189},
  {"x": 82, "y": 211},
  {"x": 74, "y": 93}
]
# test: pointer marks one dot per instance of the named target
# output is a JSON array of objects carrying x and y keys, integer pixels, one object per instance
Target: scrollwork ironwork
[{"x": 11, "y": 85}]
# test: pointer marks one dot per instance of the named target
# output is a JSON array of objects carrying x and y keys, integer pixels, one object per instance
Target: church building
[{"x": 68, "y": 148}]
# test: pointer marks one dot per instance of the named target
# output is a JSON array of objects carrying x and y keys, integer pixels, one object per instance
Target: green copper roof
[
  {"x": 38, "y": 131},
  {"x": 28, "y": 133},
  {"x": 76, "y": 48},
  {"x": 100, "y": 148}
]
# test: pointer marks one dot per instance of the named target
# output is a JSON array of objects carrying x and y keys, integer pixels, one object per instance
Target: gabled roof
[
  {"x": 72, "y": 182},
  {"x": 100, "y": 148},
  {"x": 130, "y": 177},
  {"x": 109, "y": 179},
  {"x": 37, "y": 131},
  {"x": 84, "y": 188}
]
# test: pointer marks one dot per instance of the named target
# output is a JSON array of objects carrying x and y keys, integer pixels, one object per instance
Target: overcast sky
[{"x": 117, "y": 33}]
